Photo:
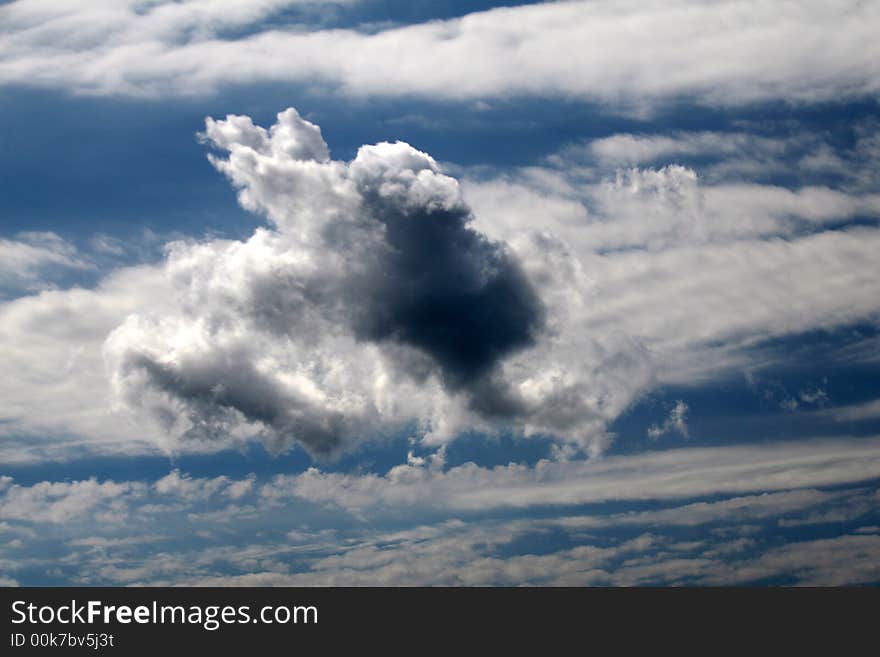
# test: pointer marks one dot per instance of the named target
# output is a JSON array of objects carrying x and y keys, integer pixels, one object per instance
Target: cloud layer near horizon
[{"x": 419, "y": 525}]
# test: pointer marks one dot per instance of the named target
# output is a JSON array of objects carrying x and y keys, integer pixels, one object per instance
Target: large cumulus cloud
[{"x": 370, "y": 304}]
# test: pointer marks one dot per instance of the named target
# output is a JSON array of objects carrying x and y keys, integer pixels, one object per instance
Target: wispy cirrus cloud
[
  {"x": 752, "y": 153},
  {"x": 676, "y": 473}
]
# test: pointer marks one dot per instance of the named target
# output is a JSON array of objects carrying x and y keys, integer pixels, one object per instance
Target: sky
[{"x": 359, "y": 292}]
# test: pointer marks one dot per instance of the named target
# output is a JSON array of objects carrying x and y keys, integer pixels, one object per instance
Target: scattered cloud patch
[
  {"x": 675, "y": 423},
  {"x": 182, "y": 529}
]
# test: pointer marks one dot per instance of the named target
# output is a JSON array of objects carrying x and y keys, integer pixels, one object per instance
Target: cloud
[
  {"x": 31, "y": 260},
  {"x": 717, "y": 52},
  {"x": 667, "y": 474},
  {"x": 192, "y": 489},
  {"x": 836, "y": 169},
  {"x": 195, "y": 530},
  {"x": 62, "y": 501},
  {"x": 57, "y": 403},
  {"x": 747, "y": 508},
  {"x": 784, "y": 476},
  {"x": 869, "y": 410},
  {"x": 659, "y": 208},
  {"x": 630, "y": 150},
  {"x": 382, "y": 299},
  {"x": 441, "y": 287},
  {"x": 675, "y": 422},
  {"x": 699, "y": 271},
  {"x": 465, "y": 557},
  {"x": 824, "y": 562},
  {"x": 370, "y": 304}
]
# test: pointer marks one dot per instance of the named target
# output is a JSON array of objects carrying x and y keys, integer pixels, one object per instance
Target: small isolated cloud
[
  {"x": 675, "y": 423},
  {"x": 813, "y": 396}
]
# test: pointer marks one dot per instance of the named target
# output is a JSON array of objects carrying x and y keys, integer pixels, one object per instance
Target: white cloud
[
  {"x": 415, "y": 488},
  {"x": 577, "y": 286},
  {"x": 675, "y": 422},
  {"x": 699, "y": 272},
  {"x": 369, "y": 305},
  {"x": 734, "y": 511},
  {"x": 142, "y": 532},
  {"x": 456, "y": 554},
  {"x": 192, "y": 489},
  {"x": 656, "y": 209},
  {"x": 718, "y": 52},
  {"x": 317, "y": 328},
  {"x": 56, "y": 399},
  {"x": 30, "y": 261},
  {"x": 855, "y": 412},
  {"x": 58, "y": 502},
  {"x": 667, "y": 474},
  {"x": 628, "y": 150},
  {"x": 824, "y": 562}
]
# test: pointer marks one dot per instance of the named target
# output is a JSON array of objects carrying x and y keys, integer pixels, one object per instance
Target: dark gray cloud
[
  {"x": 218, "y": 394},
  {"x": 448, "y": 291}
]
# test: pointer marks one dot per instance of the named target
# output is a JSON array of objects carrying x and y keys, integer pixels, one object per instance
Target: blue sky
[{"x": 570, "y": 293}]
